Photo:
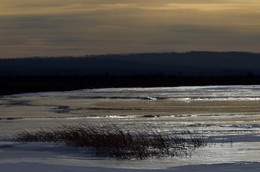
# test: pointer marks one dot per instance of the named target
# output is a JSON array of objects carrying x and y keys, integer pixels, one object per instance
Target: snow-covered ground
[{"x": 230, "y": 115}]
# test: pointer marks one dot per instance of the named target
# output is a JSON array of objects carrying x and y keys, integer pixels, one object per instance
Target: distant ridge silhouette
[
  {"x": 23, "y": 75},
  {"x": 179, "y": 64}
]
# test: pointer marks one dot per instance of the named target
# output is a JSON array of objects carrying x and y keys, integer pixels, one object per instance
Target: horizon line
[{"x": 126, "y": 54}]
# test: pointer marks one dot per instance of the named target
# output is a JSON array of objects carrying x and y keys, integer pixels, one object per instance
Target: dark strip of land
[{"x": 24, "y": 84}]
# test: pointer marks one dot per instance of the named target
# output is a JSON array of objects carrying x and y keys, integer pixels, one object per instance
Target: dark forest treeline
[
  {"x": 183, "y": 64},
  {"x": 128, "y": 70},
  {"x": 13, "y": 85}
]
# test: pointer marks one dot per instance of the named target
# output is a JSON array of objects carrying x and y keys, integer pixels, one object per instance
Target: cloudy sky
[{"x": 79, "y": 27}]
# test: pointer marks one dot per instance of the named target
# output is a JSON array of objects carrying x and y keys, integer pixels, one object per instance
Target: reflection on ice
[
  {"x": 216, "y": 111},
  {"x": 195, "y": 93}
]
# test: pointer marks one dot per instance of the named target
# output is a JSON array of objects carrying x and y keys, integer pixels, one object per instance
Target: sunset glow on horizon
[{"x": 81, "y": 27}]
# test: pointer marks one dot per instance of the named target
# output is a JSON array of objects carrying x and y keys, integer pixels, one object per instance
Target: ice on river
[{"x": 228, "y": 114}]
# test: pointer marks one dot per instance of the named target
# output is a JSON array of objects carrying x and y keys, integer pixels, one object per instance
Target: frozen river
[{"x": 230, "y": 115}]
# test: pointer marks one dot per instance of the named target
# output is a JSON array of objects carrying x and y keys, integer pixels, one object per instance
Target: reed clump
[{"x": 115, "y": 141}]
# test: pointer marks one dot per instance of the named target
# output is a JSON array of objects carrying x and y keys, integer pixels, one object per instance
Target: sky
[{"x": 83, "y": 27}]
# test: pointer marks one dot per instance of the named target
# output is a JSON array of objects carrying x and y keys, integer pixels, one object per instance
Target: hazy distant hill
[{"x": 179, "y": 64}]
